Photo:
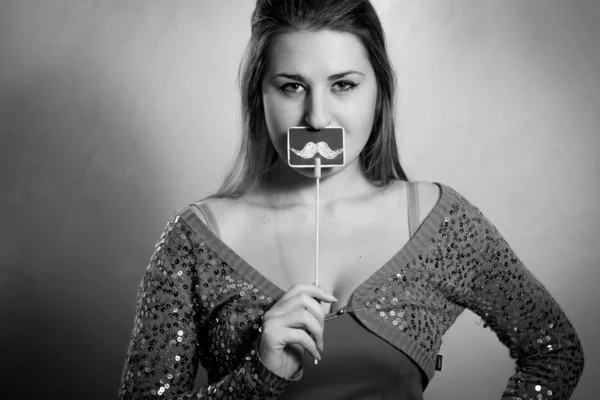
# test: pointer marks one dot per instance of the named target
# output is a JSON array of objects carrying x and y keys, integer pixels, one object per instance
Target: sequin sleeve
[
  {"x": 524, "y": 316},
  {"x": 167, "y": 339}
]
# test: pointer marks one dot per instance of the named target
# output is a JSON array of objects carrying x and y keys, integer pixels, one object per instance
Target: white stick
[{"x": 318, "y": 176}]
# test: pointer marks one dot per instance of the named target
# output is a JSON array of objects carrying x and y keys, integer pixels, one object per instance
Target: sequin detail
[
  {"x": 466, "y": 263},
  {"x": 193, "y": 307}
]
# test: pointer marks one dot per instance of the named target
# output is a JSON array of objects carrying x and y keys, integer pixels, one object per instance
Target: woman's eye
[
  {"x": 292, "y": 87},
  {"x": 345, "y": 86},
  {"x": 342, "y": 86}
]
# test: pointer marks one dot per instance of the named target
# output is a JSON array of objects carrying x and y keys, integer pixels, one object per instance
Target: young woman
[{"x": 229, "y": 285}]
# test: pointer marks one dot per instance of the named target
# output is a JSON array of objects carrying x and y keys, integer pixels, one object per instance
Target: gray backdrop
[{"x": 114, "y": 114}]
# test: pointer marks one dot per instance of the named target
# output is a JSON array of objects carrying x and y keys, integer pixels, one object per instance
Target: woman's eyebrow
[{"x": 298, "y": 77}]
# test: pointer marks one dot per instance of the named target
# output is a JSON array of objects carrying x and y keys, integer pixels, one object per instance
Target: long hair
[{"x": 256, "y": 155}]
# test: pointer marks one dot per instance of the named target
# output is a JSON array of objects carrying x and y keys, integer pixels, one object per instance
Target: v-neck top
[
  {"x": 199, "y": 303},
  {"x": 355, "y": 364},
  {"x": 412, "y": 197}
]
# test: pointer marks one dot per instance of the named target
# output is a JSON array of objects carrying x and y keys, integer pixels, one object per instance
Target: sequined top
[{"x": 200, "y": 303}]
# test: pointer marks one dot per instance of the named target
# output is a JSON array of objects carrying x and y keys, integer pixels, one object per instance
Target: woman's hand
[{"x": 286, "y": 327}]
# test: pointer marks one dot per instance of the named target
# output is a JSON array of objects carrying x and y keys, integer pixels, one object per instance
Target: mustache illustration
[{"x": 310, "y": 149}]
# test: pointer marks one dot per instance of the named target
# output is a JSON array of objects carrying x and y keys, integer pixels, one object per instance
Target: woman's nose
[{"x": 318, "y": 113}]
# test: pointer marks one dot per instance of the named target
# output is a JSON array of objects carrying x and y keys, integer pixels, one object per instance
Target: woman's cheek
[
  {"x": 272, "y": 114},
  {"x": 357, "y": 116},
  {"x": 285, "y": 115},
  {"x": 363, "y": 110}
]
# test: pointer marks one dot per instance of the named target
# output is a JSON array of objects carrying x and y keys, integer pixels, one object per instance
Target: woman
[{"x": 213, "y": 292}]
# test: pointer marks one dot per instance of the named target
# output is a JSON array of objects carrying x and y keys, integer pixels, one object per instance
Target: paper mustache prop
[
  {"x": 305, "y": 145},
  {"x": 310, "y": 149}
]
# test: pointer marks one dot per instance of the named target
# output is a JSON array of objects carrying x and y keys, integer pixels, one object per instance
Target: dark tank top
[{"x": 356, "y": 364}]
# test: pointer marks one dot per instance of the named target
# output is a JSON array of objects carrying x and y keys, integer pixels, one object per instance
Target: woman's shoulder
[
  {"x": 220, "y": 207},
  {"x": 436, "y": 194},
  {"x": 432, "y": 192},
  {"x": 429, "y": 191},
  {"x": 449, "y": 197},
  {"x": 429, "y": 195}
]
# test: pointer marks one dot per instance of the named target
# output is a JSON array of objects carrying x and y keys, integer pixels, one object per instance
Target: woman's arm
[
  {"x": 168, "y": 336},
  {"x": 525, "y": 317}
]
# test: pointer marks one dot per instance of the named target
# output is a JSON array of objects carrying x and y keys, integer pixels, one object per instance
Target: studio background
[{"x": 114, "y": 114}]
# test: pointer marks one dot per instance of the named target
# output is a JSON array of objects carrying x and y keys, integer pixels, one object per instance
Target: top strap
[
  {"x": 413, "y": 208},
  {"x": 208, "y": 215}
]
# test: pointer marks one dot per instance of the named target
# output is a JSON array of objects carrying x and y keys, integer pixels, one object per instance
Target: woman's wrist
[{"x": 295, "y": 377}]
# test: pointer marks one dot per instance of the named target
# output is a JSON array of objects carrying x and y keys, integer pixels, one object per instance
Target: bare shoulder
[
  {"x": 222, "y": 208},
  {"x": 213, "y": 204},
  {"x": 429, "y": 194}
]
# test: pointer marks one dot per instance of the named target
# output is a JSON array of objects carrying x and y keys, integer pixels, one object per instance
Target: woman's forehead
[{"x": 317, "y": 52}]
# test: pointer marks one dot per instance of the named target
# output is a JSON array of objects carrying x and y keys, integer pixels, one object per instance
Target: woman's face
[{"x": 319, "y": 79}]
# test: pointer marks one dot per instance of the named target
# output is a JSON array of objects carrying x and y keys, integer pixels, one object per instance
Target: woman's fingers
[
  {"x": 304, "y": 319},
  {"x": 300, "y": 337},
  {"x": 313, "y": 291},
  {"x": 296, "y": 327},
  {"x": 302, "y": 301},
  {"x": 297, "y": 318}
]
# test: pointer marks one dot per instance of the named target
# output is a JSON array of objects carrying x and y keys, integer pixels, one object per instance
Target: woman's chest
[
  {"x": 347, "y": 256},
  {"x": 352, "y": 245}
]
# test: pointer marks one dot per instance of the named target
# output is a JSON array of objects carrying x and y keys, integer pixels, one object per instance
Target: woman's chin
[{"x": 311, "y": 172}]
